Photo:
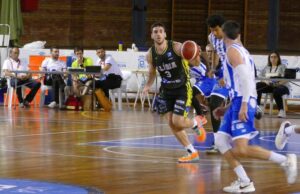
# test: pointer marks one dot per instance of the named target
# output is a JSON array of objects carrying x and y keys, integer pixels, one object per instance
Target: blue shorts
[
  {"x": 206, "y": 86},
  {"x": 220, "y": 91},
  {"x": 233, "y": 127}
]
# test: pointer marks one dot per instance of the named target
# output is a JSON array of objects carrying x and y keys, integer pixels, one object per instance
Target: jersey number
[{"x": 168, "y": 74}]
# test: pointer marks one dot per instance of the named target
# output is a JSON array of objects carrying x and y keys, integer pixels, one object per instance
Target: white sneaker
[
  {"x": 291, "y": 168},
  {"x": 281, "y": 114},
  {"x": 52, "y": 104},
  {"x": 281, "y": 137},
  {"x": 239, "y": 187}
]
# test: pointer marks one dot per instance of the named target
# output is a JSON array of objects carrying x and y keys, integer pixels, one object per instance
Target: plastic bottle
[{"x": 120, "y": 46}]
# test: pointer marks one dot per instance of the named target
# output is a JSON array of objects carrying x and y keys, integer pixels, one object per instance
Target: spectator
[
  {"x": 274, "y": 69},
  {"x": 55, "y": 80},
  {"x": 82, "y": 80},
  {"x": 112, "y": 74},
  {"x": 13, "y": 63}
]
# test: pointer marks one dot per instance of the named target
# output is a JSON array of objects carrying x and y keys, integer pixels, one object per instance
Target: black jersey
[{"x": 174, "y": 71}]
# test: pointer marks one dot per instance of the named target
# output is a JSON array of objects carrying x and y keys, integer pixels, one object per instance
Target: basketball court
[{"x": 122, "y": 152}]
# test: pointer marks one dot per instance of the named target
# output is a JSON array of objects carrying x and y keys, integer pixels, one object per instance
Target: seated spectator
[
  {"x": 112, "y": 74},
  {"x": 81, "y": 82},
  {"x": 13, "y": 63},
  {"x": 55, "y": 80},
  {"x": 274, "y": 69}
]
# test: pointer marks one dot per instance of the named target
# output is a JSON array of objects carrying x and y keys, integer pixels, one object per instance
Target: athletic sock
[
  {"x": 241, "y": 173},
  {"x": 277, "y": 158},
  {"x": 190, "y": 149}
]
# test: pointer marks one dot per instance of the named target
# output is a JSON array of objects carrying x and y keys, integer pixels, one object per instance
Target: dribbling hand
[{"x": 219, "y": 112}]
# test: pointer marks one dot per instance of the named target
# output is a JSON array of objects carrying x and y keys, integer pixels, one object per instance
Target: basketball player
[
  {"x": 217, "y": 54},
  {"x": 285, "y": 131},
  {"x": 238, "y": 122},
  {"x": 199, "y": 74},
  {"x": 221, "y": 91},
  {"x": 176, "y": 91}
]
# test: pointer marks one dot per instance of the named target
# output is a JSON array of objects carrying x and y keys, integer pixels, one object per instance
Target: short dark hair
[
  {"x": 215, "y": 20},
  {"x": 76, "y": 49},
  {"x": 231, "y": 29},
  {"x": 53, "y": 47},
  {"x": 158, "y": 24},
  {"x": 100, "y": 47}
]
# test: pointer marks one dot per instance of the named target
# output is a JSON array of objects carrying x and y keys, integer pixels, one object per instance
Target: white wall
[{"x": 129, "y": 60}]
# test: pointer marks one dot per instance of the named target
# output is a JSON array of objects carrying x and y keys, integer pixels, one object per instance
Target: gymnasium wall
[{"x": 67, "y": 23}]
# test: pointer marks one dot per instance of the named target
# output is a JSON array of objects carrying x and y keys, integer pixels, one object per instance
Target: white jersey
[
  {"x": 198, "y": 72},
  {"x": 220, "y": 48},
  {"x": 234, "y": 82},
  {"x": 114, "y": 69}
]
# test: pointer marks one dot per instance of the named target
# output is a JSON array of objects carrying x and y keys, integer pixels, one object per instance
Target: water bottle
[
  {"x": 141, "y": 62},
  {"x": 120, "y": 46},
  {"x": 134, "y": 48}
]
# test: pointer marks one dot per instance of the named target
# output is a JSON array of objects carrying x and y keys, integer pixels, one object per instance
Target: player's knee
[
  {"x": 177, "y": 122},
  {"x": 241, "y": 152},
  {"x": 172, "y": 125},
  {"x": 222, "y": 142}
]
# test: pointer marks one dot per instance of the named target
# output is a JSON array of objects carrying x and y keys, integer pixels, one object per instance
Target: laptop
[
  {"x": 93, "y": 69},
  {"x": 70, "y": 69},
  {"x": 290, "y": 73}
]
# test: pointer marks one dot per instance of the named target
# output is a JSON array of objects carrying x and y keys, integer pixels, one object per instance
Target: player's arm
[
  {"x": 214, "y": 60},
  {"x": 177, "y": 50},
  {"x": 152, "y": 72},
  {"x": 240, "y": 67}
]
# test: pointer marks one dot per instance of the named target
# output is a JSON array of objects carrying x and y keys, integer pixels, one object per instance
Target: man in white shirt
[
  {"x": 13, "y": 63},
  {"x": 55, "y": 80},
  {"x": 111, "y": 71}
]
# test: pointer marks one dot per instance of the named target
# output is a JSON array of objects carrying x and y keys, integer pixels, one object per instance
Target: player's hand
[
  {"x": 243, "y": 114},
  {"x": 219, "y": 112},
  {"x": 146, "y": 89},
  {"x": 211, "y": 73},
  {"x": 222, "y": 82}
]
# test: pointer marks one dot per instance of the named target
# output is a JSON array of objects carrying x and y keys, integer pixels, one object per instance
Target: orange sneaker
[
  {"x": 200, "y": 131},
  {"x": 193, "y": 157}
]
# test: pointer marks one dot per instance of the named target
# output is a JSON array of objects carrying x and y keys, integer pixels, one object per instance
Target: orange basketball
[{"x": 189, "y": 50}]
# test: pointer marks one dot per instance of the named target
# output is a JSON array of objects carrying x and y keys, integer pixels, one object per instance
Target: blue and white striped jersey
[{"x": 198, "y": 72}]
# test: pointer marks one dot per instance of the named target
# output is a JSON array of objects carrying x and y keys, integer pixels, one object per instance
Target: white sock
[
  {"x": 195, "y": 126},
  {"x": 241, "y": 173},
  {"x": 277, "y": 158},
  {"x": 290, "y": 130},
  {"x": 190, "y": 149}
]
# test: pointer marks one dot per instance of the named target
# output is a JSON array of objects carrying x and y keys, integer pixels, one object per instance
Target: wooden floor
[{"x": 128, "y": 152}]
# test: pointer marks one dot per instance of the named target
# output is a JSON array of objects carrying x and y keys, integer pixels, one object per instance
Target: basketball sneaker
[
  {"x": 291, "y": 168},
  {"x": 200, "y": 131},
  {"x": 193, "y": 157},
  {"x": 238, "y": 186},
  {"x": 281, "y": 137}
]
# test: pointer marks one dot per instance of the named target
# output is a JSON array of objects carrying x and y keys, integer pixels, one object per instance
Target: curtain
[{"x": 10, "y": 13}]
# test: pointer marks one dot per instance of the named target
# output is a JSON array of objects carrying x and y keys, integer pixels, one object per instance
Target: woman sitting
[{"x": 274, "y": 69}]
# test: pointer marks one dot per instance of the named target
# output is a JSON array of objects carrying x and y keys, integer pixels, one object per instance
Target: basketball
[{"x": 189, "y": 50}]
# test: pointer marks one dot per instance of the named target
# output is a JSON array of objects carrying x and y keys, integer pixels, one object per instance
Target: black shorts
[{"x": 178, "y": 100}]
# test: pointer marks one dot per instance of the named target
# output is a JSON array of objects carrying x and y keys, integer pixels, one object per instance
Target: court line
[
  {"x": 132, "y": 160},
  {"x": 128, "y": 139},
  {"x": 74, "y": 121},
  {"x": 107, "y": 149},
  {"x": 75, "y": 131}
]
